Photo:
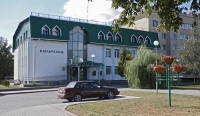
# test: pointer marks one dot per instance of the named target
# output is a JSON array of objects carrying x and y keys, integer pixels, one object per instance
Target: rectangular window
[
  {"x": 163, "y": 36},
  {"x": 116, "y": 70},
  {"x": 174, "y": 47},
  {"x": 108, "y": 70},
  {"x": 133, "y": 52},
  {"x": 184, "y": 36},
  {"x": 155, "y": 23},
  {"x": 174, "y": 36},
  {"x": 108, "y": 52},
  {"x": 163, "y": 47},
  {"x": 26, "y": 34},
  {"x": 117, "y": 53},
  {"x": 186, "y": 26}
]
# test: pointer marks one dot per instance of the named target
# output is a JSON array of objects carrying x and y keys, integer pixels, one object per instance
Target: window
[
  {"x": 56, "y": 31},
  {"x": 163, "y": 47},
  {"x": 147, "y": 41},
  {"x": 94, "y": 73},
  {"x": 184, "y": 36},
  {"x": 155, "y": 23},
  {"x": 140, "y": 40},
  {"x": 45, "y": 30},
  {"x": 174, "y": 47},
  {"x": 26, "y": 34},
  {"x": 117, "y": 53},
  {"x": 101, "y": 35},
  {"x": 175, "y": 36},
  {"x": 118, "y": 37},
  {"x": 133, "y": 39},
  {"x": 163, "y": 36},
  {"x": 116, "y": 70},
  {"x": 133, "y": 52},
  {"x": 109, "y": 36},
  {"x": 186, "y": 26},
  {"x": 108, "y": 70},
  {"x": 108, "y": 52}
]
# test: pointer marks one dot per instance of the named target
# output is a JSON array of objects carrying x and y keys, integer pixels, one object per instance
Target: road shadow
[
  {"x": 97, "y": 99},
  {"x": 24, "y": 92}
]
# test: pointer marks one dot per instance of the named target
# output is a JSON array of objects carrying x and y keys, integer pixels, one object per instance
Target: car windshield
[{"x": 71, "y": 85}]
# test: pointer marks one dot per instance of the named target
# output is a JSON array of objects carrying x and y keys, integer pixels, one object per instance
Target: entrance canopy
[{"x": 87, "y": 64}]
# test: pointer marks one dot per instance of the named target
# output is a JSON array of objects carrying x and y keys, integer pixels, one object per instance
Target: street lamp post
[{"x": 156, "y": 43}]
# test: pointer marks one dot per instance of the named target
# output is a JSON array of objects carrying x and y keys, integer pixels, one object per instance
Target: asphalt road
[
  {"x": 38, "y": 103},
  {"x": 44, "y": 102},
  {"x": 11, "y": 102}
]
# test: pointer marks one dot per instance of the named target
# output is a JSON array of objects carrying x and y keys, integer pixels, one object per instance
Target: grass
[
  {"x": 9, "y": 87},
  {"x": 150, "y": 104},
  {"x": 194, "y": 87}
]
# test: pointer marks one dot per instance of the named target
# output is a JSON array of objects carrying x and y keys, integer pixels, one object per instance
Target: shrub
[
  {"x": 49, "y": 83},
  {"x": 5, "y": 83},
  {"x": 139, "y": 73}
]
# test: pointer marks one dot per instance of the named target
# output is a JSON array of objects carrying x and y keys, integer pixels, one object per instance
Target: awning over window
[{"x": 87, "y": 64}]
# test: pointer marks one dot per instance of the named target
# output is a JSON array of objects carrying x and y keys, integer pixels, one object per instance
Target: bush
[
  {"x": 49, "y": 83},
  {"x": 5, "y": 83},
  {"x": 139, "y": 73}
]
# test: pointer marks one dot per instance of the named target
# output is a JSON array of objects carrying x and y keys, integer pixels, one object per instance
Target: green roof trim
[
  {"x": 17, "y": 32},
  {"x": 92, "y": 31}
]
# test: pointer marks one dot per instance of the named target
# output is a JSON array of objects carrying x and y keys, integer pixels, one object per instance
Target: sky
[{"x": 12, "y": 12}]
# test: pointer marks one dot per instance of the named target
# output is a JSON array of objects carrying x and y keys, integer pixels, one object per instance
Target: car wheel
[
  {"x": 77, "y": 98},
  {"x": 110, "y": 95}
]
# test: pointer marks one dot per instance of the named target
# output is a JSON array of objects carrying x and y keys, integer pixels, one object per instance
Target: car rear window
[{"x": 71, "y": 85}]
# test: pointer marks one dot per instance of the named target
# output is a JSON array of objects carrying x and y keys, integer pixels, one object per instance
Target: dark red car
[{"x": 86, "y": 89}]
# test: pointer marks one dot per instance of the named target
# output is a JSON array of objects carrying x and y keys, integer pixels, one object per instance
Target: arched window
[
  {"x": 140, "y": 40},
  {"x": 101, "y": 36},
  {"x": 109, "y": 36},
  {"x": 45, "y": 30},
  {"x": 56, "y": 31},
  {"x": 133, "y": 39},
  {"x": 147, "y": 40},
  {"x": 118, "y": 37}
]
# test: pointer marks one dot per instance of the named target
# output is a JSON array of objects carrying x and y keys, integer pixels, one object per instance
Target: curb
[{"x": 34, "y": 88}]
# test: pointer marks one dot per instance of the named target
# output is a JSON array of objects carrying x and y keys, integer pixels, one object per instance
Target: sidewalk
[{"x": 174, "y": 91}]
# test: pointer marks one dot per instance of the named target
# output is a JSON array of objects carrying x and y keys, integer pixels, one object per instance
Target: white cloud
[{"x": 99, "y": 10}]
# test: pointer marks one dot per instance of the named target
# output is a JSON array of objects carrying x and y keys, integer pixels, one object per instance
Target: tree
[
  {"x": 6, "y": 59},
  {"x": 139, "y": 73},
  {"x": 124, "y": 57},
  {"x": 168, "y": 10},
  {"x": 190, "y": 55}
]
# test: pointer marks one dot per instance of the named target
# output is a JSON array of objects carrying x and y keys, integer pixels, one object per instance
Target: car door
[
  {"x": 97, "y": 90},
  {"x": 85, "y": 90}
]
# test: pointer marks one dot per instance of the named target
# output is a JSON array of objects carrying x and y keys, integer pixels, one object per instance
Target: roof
[{"x": 91, "y": 30}]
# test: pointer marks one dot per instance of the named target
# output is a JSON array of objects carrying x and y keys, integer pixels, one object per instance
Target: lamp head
[{"x": 156, "y": 43}]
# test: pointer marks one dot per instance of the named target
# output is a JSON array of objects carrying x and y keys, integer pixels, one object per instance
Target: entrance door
[{"x": 73, "y": 73}]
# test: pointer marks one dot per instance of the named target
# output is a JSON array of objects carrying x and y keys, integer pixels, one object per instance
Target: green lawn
[
  {"x": 194, "y": 87},
  {"x": 10, "y": 87},
  {"x": 150, "y": 104}
]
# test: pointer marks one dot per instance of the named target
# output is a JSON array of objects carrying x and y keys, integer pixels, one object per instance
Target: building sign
[{"x": 52, "y": 51}]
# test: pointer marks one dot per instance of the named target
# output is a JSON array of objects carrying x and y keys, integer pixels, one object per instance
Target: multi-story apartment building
[
  {"x": 54, "y": 48},
  {"x": 171, "y": 41}
]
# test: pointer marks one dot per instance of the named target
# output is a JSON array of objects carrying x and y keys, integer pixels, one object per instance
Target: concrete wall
[
  {"x": 47, "y": 60},
  {"x": 99, "y": 51},
  {"x": 20, "y": 54}
]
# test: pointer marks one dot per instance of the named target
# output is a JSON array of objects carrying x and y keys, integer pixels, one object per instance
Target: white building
[{"x": 61, "y": 48}]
